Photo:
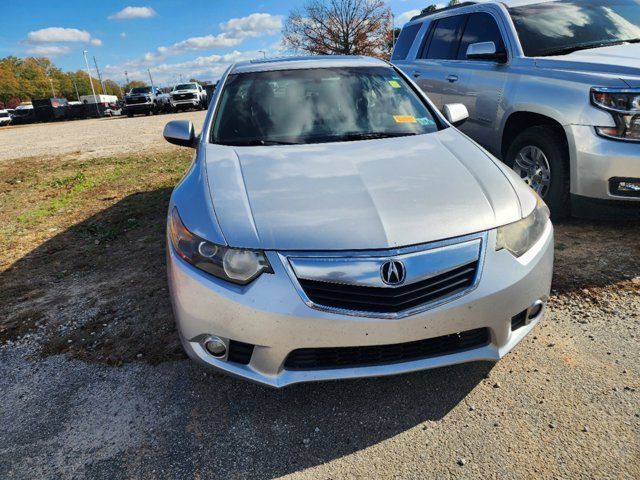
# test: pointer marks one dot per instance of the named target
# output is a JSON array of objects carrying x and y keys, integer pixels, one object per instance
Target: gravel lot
[
  {"x": 93, "y": 383},
  {"x": 91, "y": 138}
]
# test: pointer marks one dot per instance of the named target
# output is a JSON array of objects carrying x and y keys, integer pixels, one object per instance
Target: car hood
[
  {"x": 618, "y": 60},
  {"x": 373, "y": 194}
]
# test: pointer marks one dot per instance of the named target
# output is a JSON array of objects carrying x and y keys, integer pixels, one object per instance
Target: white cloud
[
  {"x": 128, "y": 13},
  {"x": 209, "y": 67},
  {"x": 123, "y": 35},
  {"x": 96, "y": 42},
  {"x": 58, "y": 34},
  {"x": 254, "y": 25},
  {"x": 48, "y": 50},
  {"x": 233, "y": 33}
]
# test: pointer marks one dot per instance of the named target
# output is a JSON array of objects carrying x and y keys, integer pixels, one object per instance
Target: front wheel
[{"x": 539, "y": 156}]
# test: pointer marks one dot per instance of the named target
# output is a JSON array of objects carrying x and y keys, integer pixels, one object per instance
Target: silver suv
[{"x": 552, "y": 88}]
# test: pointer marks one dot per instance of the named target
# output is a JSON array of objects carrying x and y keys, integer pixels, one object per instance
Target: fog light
[
  {"x": 625, "y": 187},
  {"x": 534, "y": 310},
  {"x": 215, "y": 346}
]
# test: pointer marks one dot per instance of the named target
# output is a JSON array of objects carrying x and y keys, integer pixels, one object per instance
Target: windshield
[
  {"x": 318, "y": 105},
  {"x": 141, "y": 90},
  {"x": 186, "y": 86},
  {"x": 563, "y": 26}
]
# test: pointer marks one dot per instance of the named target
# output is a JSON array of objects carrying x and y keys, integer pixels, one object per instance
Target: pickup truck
[
  {"x": 552, "y": 89},
  {"x": 188, "y": 95},
  {"x": 147, "y": 100}
]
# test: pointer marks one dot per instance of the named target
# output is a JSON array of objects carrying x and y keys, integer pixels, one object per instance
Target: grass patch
[{"x": 60, "y": 192}]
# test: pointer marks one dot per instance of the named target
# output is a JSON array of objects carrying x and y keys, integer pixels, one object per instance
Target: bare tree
[{"x": 340, "y": 27}]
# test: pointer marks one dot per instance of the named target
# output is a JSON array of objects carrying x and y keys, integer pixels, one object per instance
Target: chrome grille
[
  {"x": 391, "y": 300},
  {"x": 351, "y": 282}
]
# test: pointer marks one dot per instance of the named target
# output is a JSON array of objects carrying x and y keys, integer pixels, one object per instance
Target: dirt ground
[
  {"x": 94, "y": 384},
  {"x": 91, "y": 138}
]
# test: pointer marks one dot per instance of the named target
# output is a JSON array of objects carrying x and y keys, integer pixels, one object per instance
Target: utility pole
[
  {"x": 151, "y": 79},
  {"x": 76, "y": 87},
  {"x": 99, "y": 76},
  {"x": 53, "y": 94},
  {"x": 95, "y": 99},
  {"x": 393, "y": 31}
]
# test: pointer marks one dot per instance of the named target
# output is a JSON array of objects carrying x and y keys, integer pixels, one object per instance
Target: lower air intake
[{"x": 344, "y": 357}]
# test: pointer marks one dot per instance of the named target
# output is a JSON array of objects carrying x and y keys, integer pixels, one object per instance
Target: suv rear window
[
  {"x": 405, "y": 40},
  {"x": 481, "y": 27},
  {"x": 445, "y": 38}
]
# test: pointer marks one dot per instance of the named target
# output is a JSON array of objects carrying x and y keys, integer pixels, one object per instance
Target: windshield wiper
[
  {"x": 371, "y": 135},
  {"x": 585, "y": 46},
  {"x": 258, "y": 141}
]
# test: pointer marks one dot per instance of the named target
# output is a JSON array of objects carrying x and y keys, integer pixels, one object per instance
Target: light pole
[
  {"x": 53, "y": 94},
  {"x": 95, "y": 99},
  {"x": 264, "y": 54},
  {"x": 76, "y": 87}
]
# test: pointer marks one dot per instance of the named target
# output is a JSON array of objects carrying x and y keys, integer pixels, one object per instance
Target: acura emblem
[{"x": 392, "y": 272}]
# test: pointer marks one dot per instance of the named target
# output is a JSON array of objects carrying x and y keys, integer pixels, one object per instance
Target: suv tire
[{"x": 553, "y": 146}]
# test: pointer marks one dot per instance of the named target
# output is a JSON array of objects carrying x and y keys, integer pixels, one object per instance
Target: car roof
[
  {"x": 472, "y": 3},
  {"x": 303, "y": 62}
]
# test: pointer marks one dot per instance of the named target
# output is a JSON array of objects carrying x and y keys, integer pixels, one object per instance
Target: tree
[
  {"x": 429, "y": 9},
  {"x": 9, "y": 85},
  {"x": 133, "y": 84},
  {"x": 339, "y": 27}
]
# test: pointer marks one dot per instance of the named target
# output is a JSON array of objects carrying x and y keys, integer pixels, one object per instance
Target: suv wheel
[{"x": 538, "y": 155}]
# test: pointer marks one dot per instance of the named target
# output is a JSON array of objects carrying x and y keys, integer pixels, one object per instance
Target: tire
[
  {"x": 553, "y": 146},
  {"x": 130, "y": 115}
]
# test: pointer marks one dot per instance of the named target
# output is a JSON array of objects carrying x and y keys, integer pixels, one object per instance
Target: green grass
[{"x": 63, "y": 190}]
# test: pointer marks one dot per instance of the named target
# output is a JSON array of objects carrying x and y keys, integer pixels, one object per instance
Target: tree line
[{"x": 24, "y": 79}]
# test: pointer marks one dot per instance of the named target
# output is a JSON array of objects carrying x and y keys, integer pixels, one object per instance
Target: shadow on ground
[{"x": 98, "y": 290}]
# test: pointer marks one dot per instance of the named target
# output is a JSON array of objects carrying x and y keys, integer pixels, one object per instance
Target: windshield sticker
[
  {"x": 404, "y": 118},
  {"x": 425, "y": 122},
  {"x": 394, "y": 84}
]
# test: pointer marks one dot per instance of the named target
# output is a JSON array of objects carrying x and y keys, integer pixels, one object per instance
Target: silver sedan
[{"x": 335, "y": 225}]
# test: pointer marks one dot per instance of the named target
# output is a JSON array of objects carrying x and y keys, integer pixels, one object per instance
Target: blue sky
[{"x": 194, "y": 38}]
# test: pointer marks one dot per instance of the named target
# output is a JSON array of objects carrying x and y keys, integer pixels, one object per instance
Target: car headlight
[
  {"x": 520, "y": 236},
  {"x": 232, "y": 264},
  {"x": 624, "y": 105}
]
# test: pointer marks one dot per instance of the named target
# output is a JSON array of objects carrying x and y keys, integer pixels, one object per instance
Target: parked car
[
  {"x": 188, "y": 95},
  {"x": 334, "y": 225},
  {"x": 50, "y": 109},
  {"x": 552, "y": 88},
  {"x": 145, "y": 100},
  {"x": 5, "y": 118},
  {"x": 23, "y": 114},
  {"x": 164, "y": 102},
  {"x": 107, "y": 105}
]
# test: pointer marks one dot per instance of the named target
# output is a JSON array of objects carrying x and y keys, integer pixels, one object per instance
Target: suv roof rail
[{"x": 424, "y": 13}]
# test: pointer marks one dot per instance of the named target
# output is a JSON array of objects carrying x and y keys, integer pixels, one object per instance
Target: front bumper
[
  {"x": 595, "y": 160},
  {"x": 191, "y": 102},
  {"x": 138, "y": 107},
  {"x": 270, "y": 314}
]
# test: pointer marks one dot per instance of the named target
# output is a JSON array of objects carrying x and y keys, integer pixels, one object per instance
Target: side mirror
[
  {"x": 180, "y": 132},
  {"x": 455, "y": 113},
  {"x": 485, "y": 51}
]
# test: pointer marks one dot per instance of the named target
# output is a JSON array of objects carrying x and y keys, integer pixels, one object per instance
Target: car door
[
  {"x": 436, "y": 73},
  {"x": 481, "y": 82}
]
